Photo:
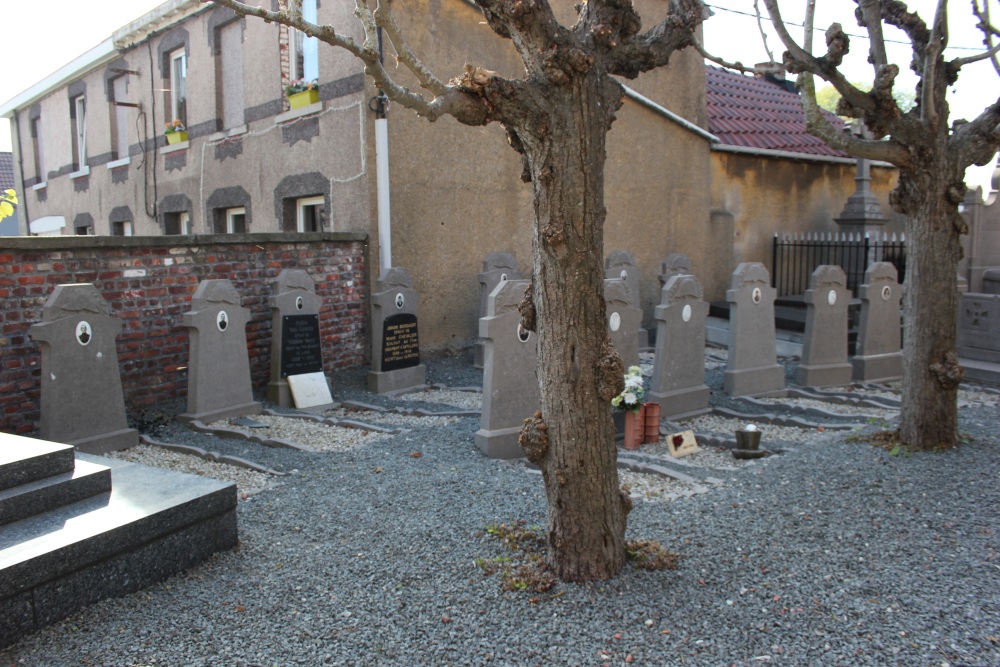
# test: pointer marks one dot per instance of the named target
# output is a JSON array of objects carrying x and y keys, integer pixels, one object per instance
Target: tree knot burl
[
  {"x": 610, "y": 372},
  {"x": 947, "y": 371},
  {"x": 534, "y": 438},
  {"x": 527, "y": 310}
]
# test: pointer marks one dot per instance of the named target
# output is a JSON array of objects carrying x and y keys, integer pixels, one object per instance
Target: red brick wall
[{"x": 148, "y": 281}]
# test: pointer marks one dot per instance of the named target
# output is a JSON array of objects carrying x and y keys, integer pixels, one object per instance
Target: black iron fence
[{"x": 795, "y": 256}]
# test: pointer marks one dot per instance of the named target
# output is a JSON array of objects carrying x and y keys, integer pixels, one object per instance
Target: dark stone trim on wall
[
  {"x": 294, "y": 187},
  {"x": 76, "y": 89},
  {"x": 42, "y": 194},
  {"x": 119, "y": 175},
  {"x": 179, "y": 203},
  {"x": 345, "y": 86},
  {"x": 170, "y": 42},
  {"x": 81, "y": 184},
  {"x": 231, "y": 147},
  {"x": 175, "y": 161},
  {"x": 301, "y": 130},
  {"x": 98, "y": 160},
  {"x": 222, "y": 16},
  {"x": 64, "y": 170},
  {"x": 262, "y": 111},
  {"x": 82, "y": 220},
  {"x": 33, "y": 180},
  {"x": 223, "y": 198},
  {"x": 110, "y": 75},
  {"x": 34, "y": 112},
  {"x": 120, "y": 214}
]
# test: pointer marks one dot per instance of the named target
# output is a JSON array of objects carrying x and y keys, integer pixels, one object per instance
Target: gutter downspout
[
  {"x": 382, "y": 175},
  {"x": 22, "y": 202}
]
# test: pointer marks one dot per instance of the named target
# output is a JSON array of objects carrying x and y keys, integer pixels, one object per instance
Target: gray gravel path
[{"x": 832, "y": 553}]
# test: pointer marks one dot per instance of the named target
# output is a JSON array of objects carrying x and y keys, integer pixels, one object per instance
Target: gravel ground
[{"x": 832, "y": 553}]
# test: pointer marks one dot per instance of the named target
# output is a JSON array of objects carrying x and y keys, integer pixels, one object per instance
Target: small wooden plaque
[{"x": 682, "y": 444}]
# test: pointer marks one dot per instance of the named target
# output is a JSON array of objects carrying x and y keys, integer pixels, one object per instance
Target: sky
[{"x": 731, "y": 33}]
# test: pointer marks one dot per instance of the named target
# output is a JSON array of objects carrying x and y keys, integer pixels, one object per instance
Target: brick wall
[{"x": 148, "y": 281}]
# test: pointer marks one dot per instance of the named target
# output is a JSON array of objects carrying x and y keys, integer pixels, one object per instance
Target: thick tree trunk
[
  {"x": 931, "y": 374},
  {"x": 578, "y": 370}
]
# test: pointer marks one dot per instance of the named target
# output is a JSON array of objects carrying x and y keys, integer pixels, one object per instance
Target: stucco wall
[{"x": 771, "y": 195}]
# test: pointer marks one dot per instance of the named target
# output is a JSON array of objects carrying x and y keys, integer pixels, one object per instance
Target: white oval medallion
[
  {"x": 686, "y": 312},
  {"x": 757, "y": 295},
  {"x": 400, "y": 300},
  {"x": 222, "y": 320},
  {"x": 522, "y": 334},
  {"x": 503, "y": 277},
  {"x": 299, "y": 303},
  {"x": 624, "y": 274},
  {"x": 886, "y": 293},
  {"x": 615, "y": 321},
  {"x": 831, "y": 297},
  {"x": 84, "y": 334}
]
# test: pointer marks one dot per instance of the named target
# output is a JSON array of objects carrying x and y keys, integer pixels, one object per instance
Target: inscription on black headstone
[
  {"x": 300, "y": 348},
  {"x": 399, "y": 342}
]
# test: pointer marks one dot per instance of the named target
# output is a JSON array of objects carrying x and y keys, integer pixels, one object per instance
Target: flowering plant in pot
[
  {"x": 175, "y": 132},
  {"x": 630, "y": 402},
  {"x": 302, "y": 93}
]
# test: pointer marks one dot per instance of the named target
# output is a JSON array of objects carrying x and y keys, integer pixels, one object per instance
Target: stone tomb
[
  {"x": 295, "y": 339},
  {"x": 510, "y": 383},
  {"x": 678, "y": 383},
  {"x": 621, "y": 264},
  {"x": 497, "y": 267},
  {"x": 752, "y": 369},
  {"x": 676, "y": 264},
  {"x": 82, "y": 402},
  {"x": 219, "y": 385},
  {"x": 623, "y": 320},
  {"x": 878, "y": 353},
  {"x": 824, "y": 346},
  {"x": 395, "y": 341}
]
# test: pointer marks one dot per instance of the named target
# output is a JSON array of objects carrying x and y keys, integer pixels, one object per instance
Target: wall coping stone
[{"x": 73, "y": 242}]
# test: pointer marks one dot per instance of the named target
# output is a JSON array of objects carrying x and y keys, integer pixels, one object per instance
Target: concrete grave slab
[
  {"x": 395, "y": 339},
  {"x": 623, "y": 320},
  {"x": 621, "y": 265},
  {"x": 82, "y": 402},
  {"x": 510, "y": 383},
  {"x": 824, "y": 347},
  {"x": 878, "y": 353},
  {"x": 752, "y": 369},
  {"x": 219, "y": 385},
  {"x": 678, "y": 383}
]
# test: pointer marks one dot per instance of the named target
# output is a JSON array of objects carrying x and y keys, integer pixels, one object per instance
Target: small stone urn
[{"x": 748, "y": 443}]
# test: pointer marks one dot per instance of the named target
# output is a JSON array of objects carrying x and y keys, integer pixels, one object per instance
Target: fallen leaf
[
  {"x": 629, "y": 658},
  {"x": 414, "y": 455},
  {"x": 618, "y": 635},
  {"x": 377, "y": 470},
  {"x": 821, "y": 429},
  {"x": 445, "y": 619},
  {"x": 240, "y": 607}
]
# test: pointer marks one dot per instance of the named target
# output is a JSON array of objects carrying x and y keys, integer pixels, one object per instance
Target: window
[
  {"x": 78, "y": 113},
  {"x": 236, "y": 220},
  {"x": 178, "y": 86},
  {"x": 123, "y": 228},
  {"x": 119, "y": 118},
  {"x": 85, "y": 230},
  {"x": 177, "y": 223},
  {"x": 36, "y": 149},
  {"x": 310, "y": 214},
  {"x": 229, "y": 64},
  {"x": 304, "y": 51}
]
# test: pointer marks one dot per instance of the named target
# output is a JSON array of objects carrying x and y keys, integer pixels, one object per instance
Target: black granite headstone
[
  {"x": 300, "y": 347},
  {"x": 399, "y": 342}
]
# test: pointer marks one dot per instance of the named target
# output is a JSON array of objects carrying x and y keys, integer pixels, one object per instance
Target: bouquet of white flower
[{"x": 631, "y": 396}]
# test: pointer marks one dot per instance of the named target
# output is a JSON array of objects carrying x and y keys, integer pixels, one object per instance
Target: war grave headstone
[
  {"x": 824, "y": 347},
  {"x": 979, "y": 335},
  {"x": 752, "y": 369},
  {"x": 623, "y": 320},
  {"x": 678, "y": 383},
  {"x": 510, "y": 383},
  {"x": 676, "y": 264},
  {"x": 219, "y": 384},
  {"x": 395, "y": 341},
  {"x": 621, "y": 264},
  {"x": 82, "y": 402},
  {"x": 878, "y": 352},
  {"x": 296, "y": 353},
  {"x": 497, "y": 267}
]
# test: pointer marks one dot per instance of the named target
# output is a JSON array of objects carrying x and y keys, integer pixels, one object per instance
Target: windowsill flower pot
[
  {"x": 175, "y": 132},
  {"x": 177, "y": 137},
  {"x": 302, "y": 93}
]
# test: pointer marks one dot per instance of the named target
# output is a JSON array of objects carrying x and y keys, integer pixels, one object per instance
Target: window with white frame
[
  {"x": 310, "y": 214},
  {"x": 178, "y": 86},
  {"x": 78, "y": 111},
  {"x": 304, "y": 51},
  {"x": 123, "y": 228},
  {"x": 236, "y": 220},
  {"x": 177, "y": 223}
]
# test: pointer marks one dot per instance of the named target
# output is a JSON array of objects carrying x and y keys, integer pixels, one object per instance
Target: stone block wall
[{"x": 149, "y": 282}]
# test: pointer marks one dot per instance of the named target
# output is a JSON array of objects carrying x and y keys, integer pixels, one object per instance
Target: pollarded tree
[
  {"x": 932, "y": 157},
  {"x": 557, "y": 117}
]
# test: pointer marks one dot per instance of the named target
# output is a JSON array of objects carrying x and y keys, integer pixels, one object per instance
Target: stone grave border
[{"x": 213, "y": 457}]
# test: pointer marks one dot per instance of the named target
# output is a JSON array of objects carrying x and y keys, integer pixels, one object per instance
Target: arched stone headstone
[
  {"x": 497, "y": 267},
  {"x": 620, "y": 265},
  {"x": 510, "y": 381},
  {"x": 676, "y": 264},
  {"x": 219, "y": 385},
  {"x": 824, "y": 346},
  {"x": 753, "y": 367},
  {"x": 623, "y": 320},
  {"x": 82, "y": 402},
  {"x": 878, "y": 353},
  {"x": 296, "y": 348},
  {"x": 395, "y": 340},
  {"x": 678, "y": 383}
]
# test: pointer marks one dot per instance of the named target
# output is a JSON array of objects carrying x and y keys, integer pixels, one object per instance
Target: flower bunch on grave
[
  {"x": 300, "y": 86},
  {"x": 174, "y": 126},
  {"x": 631, "y": 396}
]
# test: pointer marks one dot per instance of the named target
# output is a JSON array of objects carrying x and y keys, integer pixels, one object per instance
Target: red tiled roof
[
  {"x": 757, "y": 113},
  {"x": 6, "y": 172}
]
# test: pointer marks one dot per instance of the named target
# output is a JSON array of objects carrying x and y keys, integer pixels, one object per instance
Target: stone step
[
  {"x": 22, "y": 464},
  {"x": 86, "y": 480},
  {"x": 153, "y": 523}
]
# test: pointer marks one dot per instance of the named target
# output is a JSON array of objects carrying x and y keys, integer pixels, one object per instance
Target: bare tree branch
[
  {"x": 991, "y": 54},
  {"x": 807, "y": 33},
  {"x": 870, "y": 17},
  {"x": 935, "y": 47},
  {"x": 760, "y": 28},
  {"x": 737, "y": 65},
  {"x": 977, "y": 142},
  {"x": 654, "y": 47},
  {"x": 989, "y": 31},
  {"x": 384, "y": 18}
]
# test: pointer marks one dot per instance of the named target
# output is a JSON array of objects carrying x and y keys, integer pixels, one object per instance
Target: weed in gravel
[
  {"x": 525, "y": 569},
  {"x": 650, "y": 555}
]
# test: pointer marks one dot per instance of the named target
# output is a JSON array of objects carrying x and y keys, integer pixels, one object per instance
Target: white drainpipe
[{"x": 382, "y": 185}]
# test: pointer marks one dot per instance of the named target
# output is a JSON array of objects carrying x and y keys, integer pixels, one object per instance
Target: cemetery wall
[
  {"x": 148, "y": 282},
  {"x": 768, "y": 195}
]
